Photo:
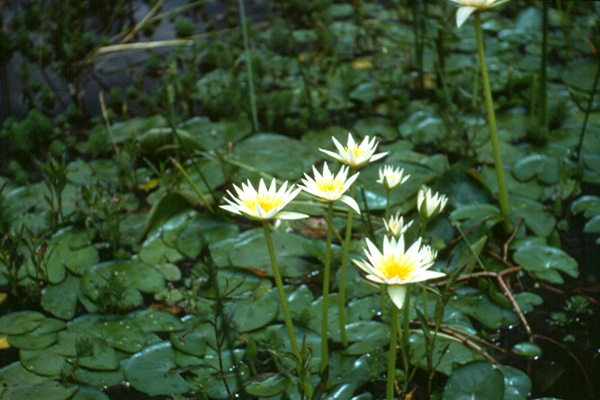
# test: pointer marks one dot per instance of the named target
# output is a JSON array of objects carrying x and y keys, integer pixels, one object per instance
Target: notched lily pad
[
  {"x": 20, "y": 322},
  {"x": 544, "y": 261},
  {"x": 150, "y": 371}
]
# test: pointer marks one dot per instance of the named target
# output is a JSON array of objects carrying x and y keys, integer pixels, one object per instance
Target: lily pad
[
  {"x": 89, "y": 393},
  {"x": 543, "y": 261},
  {"x": 157, "y": 321},
  {"x": 149, "y": 371},
  {"x": 527, "y": 349},
  {"x": 43, "y": 362},
  {"x": 478, "y": 380},
  {"x": 271, "y": 386},
  {"x": 133, "y": 274},
  {"x": 255, "y": 312},
  {"x": 61, "y": 299},
  {"x": 517, "y": 385},
  {"x": 20, "y": 322}
]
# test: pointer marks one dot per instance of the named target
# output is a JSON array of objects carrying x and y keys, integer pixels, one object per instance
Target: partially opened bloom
[
  {"x": 396, "y": 267},
  {"x": 430, "y": 205},
  {"x": 396, "y": 226},
  {"x": 264, "y": 204},
  {"x": 353, "y": 154},
  {"x": 330, "y": 187},
  {"x": 468, "y": 7},
  {"x": 391, "y": 177}
]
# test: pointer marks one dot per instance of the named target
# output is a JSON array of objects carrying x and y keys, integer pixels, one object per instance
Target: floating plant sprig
[{"x": 468, "y": 7}]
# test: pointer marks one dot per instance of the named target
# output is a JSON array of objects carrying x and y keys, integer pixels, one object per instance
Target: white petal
[
  {"x": 424, "y": 275},
  {"x": 332, "y": 154},
  {"x": 376, "y": 157},
  {"x": 232, "y": 209},
  {"x": 462, "y": 14},
  {"x": 397, "y": 294},
  {"x": 290, "y": 215},
  {"x": 350, "y": 202}
]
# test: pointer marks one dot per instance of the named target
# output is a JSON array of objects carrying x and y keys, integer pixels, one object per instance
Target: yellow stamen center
[
  {"x": 332, "y": 185},
  {"x": 357, "y": 151},
  {"x": 402, "y": 268},
  {"x": 266, "y": 202}
]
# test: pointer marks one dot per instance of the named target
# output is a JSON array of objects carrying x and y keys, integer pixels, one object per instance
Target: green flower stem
[
  {"x": 284, "y": 306},
  {"x": 249, "y": 65},
  {"x": 489, "y": 102},
  {"x": 391, "y": 371},
  {"x": 406, "y": 320},
  {"x": 344, "y": 269},
  {"x": 387, "y": 203},
  {"x": 326, "y": 273}
]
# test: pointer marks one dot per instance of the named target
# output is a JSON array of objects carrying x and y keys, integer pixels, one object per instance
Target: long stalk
[
  {"x": 249, "y": 66},
  {"x": 325, "y": 304},
  {"x": 489, "y": 102},
  {"x": 286, "y": 311},
  {"x": 544, "y": 73},
  {"x": 391, "y": 368},
  {"x": 343, "y": 271}
]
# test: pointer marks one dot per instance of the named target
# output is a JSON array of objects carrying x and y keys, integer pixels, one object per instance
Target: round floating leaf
[
  {"x": 32, "y": 342},
  {"x": 129, "y": 273},
  {"x": 157, "y": 321},
  {"x": 132, "y": 128},
  {"x": 194, "y": 338},
  {"x": 271, "y": 386},
  {"x": 99, "y": 378},
  {"x": 42, "y": 362},
  {"x": 254, "y": 313},
  {"x": 103, "y": 357},
  {"x": 517, "y": 384},
  {"x": 478, "y": 305},
  {"x": 589, "y": 205},
  {"x": 593, "y": 225},
  {"x": 447, "y": 354},
  {"x": 149, "y": 371},
  {"x": 216, "y": 134},
  {"x": 122, "y": 333},
  {"x": 580, "y": 74},
  {"x": 536, "y": 218},
  {"x": 527, "y": 349},
  {"x": 478, "y": 380},
  {"x": 61, "y": 299},
  {"x": 541, "y": 258},
  {"x": 89, "y": 393},
  {"x": 20, "y": 322},
  {"x": 168, "y": 206}
]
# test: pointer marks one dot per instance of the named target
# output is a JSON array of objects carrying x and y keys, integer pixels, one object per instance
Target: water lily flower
[
  {"x": 355, "y": 155},
  {"x": 264, "y": 204},
  {"x": 391, "y": 177},
  {"x": 396, "y": 226},
  {"x": 396, "y": 267},
  {"x": 430, "y": 205},
  {"x": 330, "y": 187},
  {"x": 468, "y": 7}
]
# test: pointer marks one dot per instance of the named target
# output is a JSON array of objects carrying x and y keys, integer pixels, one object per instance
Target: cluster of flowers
[{"x": 395, "y": 266}]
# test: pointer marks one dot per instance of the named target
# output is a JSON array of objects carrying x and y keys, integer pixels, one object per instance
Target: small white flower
[
  {"x": 430, "y": 205},
  {"x": 395, "y": 226},
  {"x": 265, "y": 204},
  {"x": 396, "y": 267},
  {"x": 355, "y": 155},
  {"x": 330, "y": 187},
  {"x": 468, "y": 7},
  {"x": 391, "y": 177}
]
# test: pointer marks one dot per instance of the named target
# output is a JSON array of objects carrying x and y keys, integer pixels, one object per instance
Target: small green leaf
[
  {"x": 527, "y": 349},
  {"x": 20, "y": 322},
  {"x": 271, "y": 386},
  {"x": 517, "y": 384},
  {"x": 593, "y": 225}
]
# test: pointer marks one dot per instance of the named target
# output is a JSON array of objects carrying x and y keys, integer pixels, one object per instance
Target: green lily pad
[
  {"x": 90, "y": 393},
  {"x": 547, "y": 169},
  {"x": 99, "y": 379},
  {"x": 149, "y": 371},
  {"x": 43, "y": 362},
  {"x": 447, "y": 354},
  {"x": 134, "y": 127},
  {"x": 589, "y": 205},
  {"x": 593, "y": 225},
  {"x": 580, "y": 74},
  {"x": 157, "y": 321},
  {"x": 18, "y": 383},
  {"x": 61, "y": 299},
  {"x": 134, "y": 274},
  {"x": 255, "y": 312},
  {"x": 20, "y": 322},
  {"x": 122, "y": 333},
  {"x": 478, "y": 380},
  {"x": 33, "y": 342},
  {"x": 478, "y": 305},
  {"x": 544, "y": 261},
  {"x": 536, "y": 218},
  {"x": 195, "y": 338},
  {"x": 517, "y": 384},
  {"x": 213, "y": 135},
  {"x": 202, "y": 230},
  {"x": 271, "y": 386},
  {"x": 275, "y": 155}
]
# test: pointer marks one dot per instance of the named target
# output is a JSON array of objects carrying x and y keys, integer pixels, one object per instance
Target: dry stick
[
  {"x": 143, "y": 21},
  {"x": 511, "y": 238}
]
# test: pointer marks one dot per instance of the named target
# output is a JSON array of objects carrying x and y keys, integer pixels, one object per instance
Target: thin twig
[{"x": 512, "y": 237}]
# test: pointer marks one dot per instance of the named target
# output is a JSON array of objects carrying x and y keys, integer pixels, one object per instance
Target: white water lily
[
  {"x": 396, "y": 226},
  {"x": 330, "y": 187},
  {"x": 353, "y": 154},
  {"x": 430, "y": 205},
  {"x": 468, "y": 7},
  {"x": 264, "y": 204},
  {"x": 391, "y": 177},
  {"x": 396, "y": 267}
]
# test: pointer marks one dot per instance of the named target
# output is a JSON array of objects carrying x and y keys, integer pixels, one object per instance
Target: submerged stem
[{"x": 489, "y": 102}]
